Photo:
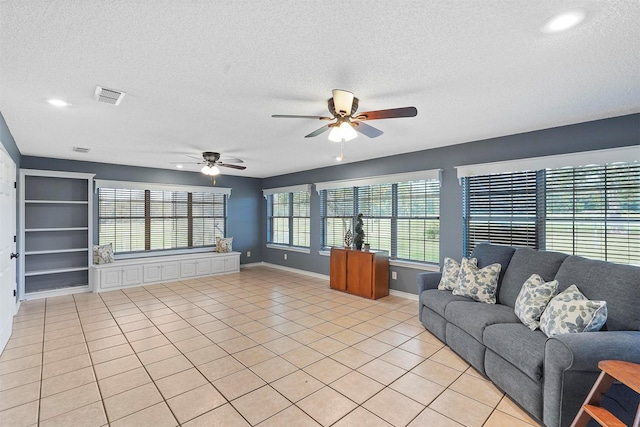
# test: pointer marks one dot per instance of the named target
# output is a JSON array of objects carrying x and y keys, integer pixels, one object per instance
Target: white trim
[
  {"x": 595, "y": 157},
  {"x": 56, "y": 174},
  {"x": 290, "y": 189},
  {"x": 130, "y": 185},
  {"x": 432, "y": 174},
  {"x": 401, "y": 294},
  {"x": 56, "y": 292},
  {"x": 291, "y": 269},
  {"x": 289, "y": 248},
  {"x": 414, "y": 265}
]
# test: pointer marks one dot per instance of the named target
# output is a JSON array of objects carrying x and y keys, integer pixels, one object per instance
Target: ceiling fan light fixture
[
  {"x": 342, "y": 101},
  {"x": 211, "y": 170},
  {"x": 343, "y": 132}
]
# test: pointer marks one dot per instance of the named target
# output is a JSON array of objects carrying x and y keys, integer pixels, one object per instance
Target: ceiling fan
[
  {"x": 343, "y": 106},
  {"x": 211, "y": 161}
]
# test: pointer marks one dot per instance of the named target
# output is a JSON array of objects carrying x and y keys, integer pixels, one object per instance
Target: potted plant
[
  {"x": 367, "y": 247},
  {"x": 358, "y": 239}
]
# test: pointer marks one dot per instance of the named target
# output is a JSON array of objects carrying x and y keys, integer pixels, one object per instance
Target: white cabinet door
[
  {"x": 110, "y": 277},
  {"x": 170, "y": 270},
  {"x": 217, "y": 265},
  {"x": 203, "y": 267},
  {"x": 231, "y": 264},
  {"x": 132, "y": 275},
  {"x": 188, "y": 268},
  {"x": 152, "y": 273}
]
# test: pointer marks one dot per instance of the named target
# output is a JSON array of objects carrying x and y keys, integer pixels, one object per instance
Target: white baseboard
[
  {"x": 393, "y": 292},
  {"x": 56, "y": 292}
]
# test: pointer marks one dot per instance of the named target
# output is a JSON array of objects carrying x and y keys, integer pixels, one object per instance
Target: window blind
[
  {"x": 337, "y": 212},
  {"x": 148, "y": 220},
  {"x": 288, "y": 218},
  {"x": 417, "y": 236},
  {"x": 501, "y": 209}
]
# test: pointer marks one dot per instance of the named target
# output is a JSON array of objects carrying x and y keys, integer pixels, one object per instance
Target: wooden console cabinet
[{"x": 360, "y": 273}]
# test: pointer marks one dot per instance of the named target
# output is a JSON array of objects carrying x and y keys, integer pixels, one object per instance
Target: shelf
[
  {"x": 59, "y": 202},
  {"x": 54, "y": 271},
  {"x": 56, "y": 251},
  {"x": 31, "y": 230}
]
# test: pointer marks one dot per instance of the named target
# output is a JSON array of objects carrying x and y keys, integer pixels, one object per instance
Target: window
[
  {"x": 593, "y": 211},
  {"x": 402, "y": 218},
  {"x": 137, "y": 220},
  {"x": 288, "y": 218}
]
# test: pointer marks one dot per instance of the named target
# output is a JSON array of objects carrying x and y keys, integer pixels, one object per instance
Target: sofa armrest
[
  {"x": 571, "y": 367},
  {"x": 582, "y": 352},
  {"x": 428, "y": 280}
]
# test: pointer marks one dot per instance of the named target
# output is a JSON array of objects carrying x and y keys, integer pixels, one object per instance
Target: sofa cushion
[
  {"x": 450, "y": 273},
  {"x": 617, "y": 284},
  {"x": 473, "y": 317},
  {"x": 481, "y": 284},
  {"x": 533, "y": 299},
  {"x": 570, "y": 312},
  {"x": 488, "y": 254},
  {"x": 524, "y": 263},
  {"x": 518, "y": 345},
  {"x": 438, "y": 300}
]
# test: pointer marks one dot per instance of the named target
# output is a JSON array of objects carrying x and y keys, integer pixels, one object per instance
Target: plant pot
[{"x": 367, "y": 247}]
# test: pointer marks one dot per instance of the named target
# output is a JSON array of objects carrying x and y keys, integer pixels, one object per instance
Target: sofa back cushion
[
  {"x": 617, "y": 284},
  {"x": 524, "y": 263},
  {"x": 488, "y": 254}
]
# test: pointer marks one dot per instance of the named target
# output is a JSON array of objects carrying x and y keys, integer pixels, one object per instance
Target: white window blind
[
  {"x": 137, "y": 220},
  {"x": 592, "y": 211},
  {"x": 288, "y": 217},
  {"x": 401, "y": 218}
]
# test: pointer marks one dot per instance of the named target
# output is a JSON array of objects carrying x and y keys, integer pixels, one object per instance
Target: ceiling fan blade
[
  {"x": 317, "y": 132},
  {"x": 294, "y": 116},
  {"x": 186, "y": 163},
  {"x": 367, "y": 130},
  {"x": 231, "y": 166},
  {"x": 232, "y": 160},
  {"x": 391, "y": 113}
]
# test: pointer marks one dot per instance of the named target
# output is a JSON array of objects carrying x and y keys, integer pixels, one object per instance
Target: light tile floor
[{"x": 262, "y": 347}]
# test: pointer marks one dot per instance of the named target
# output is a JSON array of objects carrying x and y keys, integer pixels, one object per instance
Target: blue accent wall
[
  {"x": 247, "y": 207},
  {"x": 243, "y": 209},
  {"x": 6, "y": 139},
  {"x": 599, "y": 134}
]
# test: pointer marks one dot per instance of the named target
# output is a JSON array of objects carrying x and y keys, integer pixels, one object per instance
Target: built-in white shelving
[{"x": 56, "y": 231}]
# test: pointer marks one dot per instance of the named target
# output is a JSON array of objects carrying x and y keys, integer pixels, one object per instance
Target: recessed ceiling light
[
  {"x": 58, "y": 102},
  {"x": 179, "y": 166},
  {"x": 563, "y": 21}
]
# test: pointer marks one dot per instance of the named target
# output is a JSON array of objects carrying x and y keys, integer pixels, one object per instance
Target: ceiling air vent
[
  {"x": 108, "y": 96},
  {"x": 81, "y": 150}
]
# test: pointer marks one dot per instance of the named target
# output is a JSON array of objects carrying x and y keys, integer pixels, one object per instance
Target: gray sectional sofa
[{"x": 548, "y": 377}]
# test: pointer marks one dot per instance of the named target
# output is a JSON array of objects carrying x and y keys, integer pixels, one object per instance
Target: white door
[{"x": 7, "y": 246}]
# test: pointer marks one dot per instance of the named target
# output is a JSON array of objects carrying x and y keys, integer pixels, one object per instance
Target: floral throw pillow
[
  {"x": 570, "y": 311},
  {"x": 532, "y": 300},
  {"x": 479, "y": 284},
  {"x": 103, "y": 254},
  {"x": 450, "y": 272},
  {"x": 224, "y": 244}
]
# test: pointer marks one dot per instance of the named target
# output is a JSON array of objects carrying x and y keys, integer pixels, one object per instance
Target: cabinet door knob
[{"x": 12, "y": 256}]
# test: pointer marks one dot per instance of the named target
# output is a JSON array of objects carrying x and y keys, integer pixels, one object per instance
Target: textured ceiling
[{"x": 207, "y": 75}]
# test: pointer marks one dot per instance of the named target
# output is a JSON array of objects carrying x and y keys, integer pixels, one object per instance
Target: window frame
[{"x": 298, "y": 226}]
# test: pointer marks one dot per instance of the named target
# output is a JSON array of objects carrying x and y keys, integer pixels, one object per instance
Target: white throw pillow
[
  {"x": 223, "y": 244},
  {"x": 479, "y": 284},
  {"x": 450, "y": 272},
  {"x": 533, "y": 299},
  {"x": 103, "y": 254},
  {"x": 570, "y": 311}
]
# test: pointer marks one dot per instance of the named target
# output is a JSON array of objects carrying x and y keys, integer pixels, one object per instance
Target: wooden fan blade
[
  {"x": 293, "y": 116},
  {"x": 368, "y": 130},
  {"x": 391, "y": 113},
  {"x": 232, "y": 160},
  {"x": 231, "y": 166},
  {"x": 318, "y": 131},
  {"x": 186, "y": 163}
]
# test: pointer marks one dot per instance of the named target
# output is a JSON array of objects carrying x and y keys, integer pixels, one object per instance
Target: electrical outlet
[
  {"x": 394, "y": 275},
  {"x": 285, "y": 256},
  {"x": 248, "y": 254}
]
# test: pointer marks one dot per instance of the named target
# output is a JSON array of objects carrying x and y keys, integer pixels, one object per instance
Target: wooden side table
[{"x": 628, "y": 374}]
